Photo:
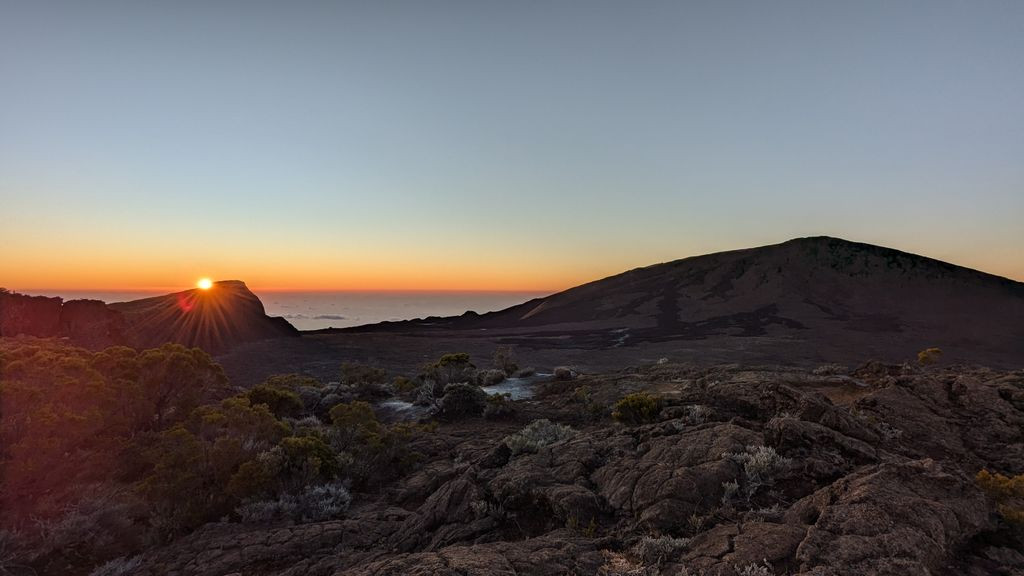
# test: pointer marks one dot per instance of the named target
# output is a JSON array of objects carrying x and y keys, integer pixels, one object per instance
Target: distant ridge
[
  {"x": 827, "y": 292},
  {"x": 216, "y": 320}
]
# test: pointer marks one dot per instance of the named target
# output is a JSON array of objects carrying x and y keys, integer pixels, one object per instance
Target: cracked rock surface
[{"x": 874, "y": 475}]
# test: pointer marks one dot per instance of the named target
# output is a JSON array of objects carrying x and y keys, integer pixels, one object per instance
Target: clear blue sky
[{"x": 488, "y": 144}]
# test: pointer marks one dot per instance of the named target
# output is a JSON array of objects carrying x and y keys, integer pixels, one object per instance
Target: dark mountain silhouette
[
  {"x": 216, "y": 319},
  {"x": 823, "y": 291}
]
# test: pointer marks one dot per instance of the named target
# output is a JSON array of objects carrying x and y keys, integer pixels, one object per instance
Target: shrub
[
  {"x": 367, "y": 381},
  {"x": 355, "y": 421},
  {"x": 449, "y": 369},
  {"x": 654, "y": 551},
  {"x": 590, "y": 409},
  {"x": 1006, "y": 491},
  {"x": 830, "y": 370},
  {"x": 461, "y": 400},
  {"x": 293, "y": 381},
  {"x": 761, "y": 464},
  {"x": 499, "y": 406},
  {"x": 697, "y": 414},
  {"x": 637, "y": 408},
  {"x": 378, "y": 453},
  {"x": 752, "y": 569},
  {"x": 490, "y": 377},
  {"x": 324, "y": 502},
  {"x": 123, "y": 566},
  {"x": 538, "y": 434},
  {"x": 308, "y": 459},
  {"x": 729, "y": 491},
  {"x": 505, "y": 360},
  {"x": 929, "y": 356},
  {"x": 403, "y": 385},
  {"x": 281, "y": 401},
  {"x": 314, "y": 504},
  {"x": 98, "y": 526}
]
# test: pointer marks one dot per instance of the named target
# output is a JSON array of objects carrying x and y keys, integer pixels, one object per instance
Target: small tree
[{"x": 505, "y": 360}]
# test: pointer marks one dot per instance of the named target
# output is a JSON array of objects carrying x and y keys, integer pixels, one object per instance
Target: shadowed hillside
[{"x": 826, "y": 291}]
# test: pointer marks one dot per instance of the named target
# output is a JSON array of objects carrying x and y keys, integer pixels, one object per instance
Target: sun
[{"x": 204, "y": 284}]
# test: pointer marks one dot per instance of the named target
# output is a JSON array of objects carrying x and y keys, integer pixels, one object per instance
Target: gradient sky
[{"x": 497, "y": 145}]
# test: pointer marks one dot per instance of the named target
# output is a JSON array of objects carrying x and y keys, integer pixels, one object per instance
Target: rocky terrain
[
  {"x": 731, "y": 470},
  {"x": 216, "y": 320}
]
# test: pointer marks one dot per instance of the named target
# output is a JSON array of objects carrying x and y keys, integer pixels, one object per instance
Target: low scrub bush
[
  {"x": 123, "y": 566},
  {"x": 1006, "y": 491},
  {"x": 366, "y": 381},
  {"x": 590, "y": 408},
  {"x": 654, "y": 551},
  {"x": 450, "y": 369},
  {"x": 377, "y": 453},
  {"x": 538, "y": 434},
  {"x": 314, "y": 504},
  {"x": 404, "y": 386},
  {"x": 499, "y": 406},
  {"x": 490, "y": 377},
  {"x": 752, "y": 569},
  {"x": 462, "y": 400},
  {"x": 637, "y": 408},
  {"x": 761, "y": 465},
  {"x": 281, "y": 401}
]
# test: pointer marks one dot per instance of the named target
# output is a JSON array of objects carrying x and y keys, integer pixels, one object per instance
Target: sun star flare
[{"x": 204, "y": 284}]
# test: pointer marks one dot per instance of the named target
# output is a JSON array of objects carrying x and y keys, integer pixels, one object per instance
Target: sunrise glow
[{"x": 204, "y": 284}]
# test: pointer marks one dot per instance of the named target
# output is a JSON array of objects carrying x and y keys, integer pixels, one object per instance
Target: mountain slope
[{"x": 826, "y": 290}]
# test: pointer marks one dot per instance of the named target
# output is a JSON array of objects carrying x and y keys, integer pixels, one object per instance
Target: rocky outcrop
[
  {"x": 217, "y": 319},
  {"x": 880, "y": 485}
]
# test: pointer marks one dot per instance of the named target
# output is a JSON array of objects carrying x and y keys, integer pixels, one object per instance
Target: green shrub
[
  {"x": 378, "y": 453},
  {"x": 499, "y": 406},
  {"x": 450, "y": 369},
  {"x": 281, "y": 401},
  {"x": 490, "y": 377},
  {"x": 404, "y": 386},
  {"x": 367, "y": 381},
  {"x": 1006, "y": 491},
  {"x": 293, "y": 381},
  {"x": 636, "y": 409},
  {"x": 538, "y": 434},
  {"x": 590, "y": 408},
  {"x": 461, "y": 400}
]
